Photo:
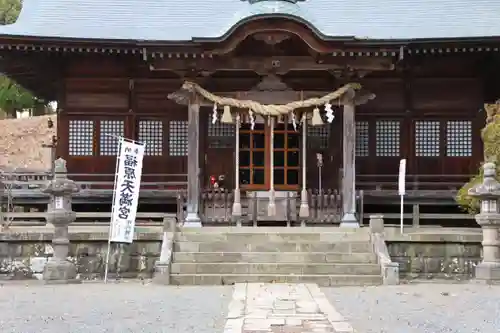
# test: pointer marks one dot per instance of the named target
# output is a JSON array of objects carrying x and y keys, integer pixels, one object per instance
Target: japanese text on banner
[{"x": 127, "y": 188}]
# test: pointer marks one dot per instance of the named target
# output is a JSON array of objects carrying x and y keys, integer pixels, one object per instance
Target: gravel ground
[
  {"x": 118, "y": 308},
  {"x": 421, "y": 308}
]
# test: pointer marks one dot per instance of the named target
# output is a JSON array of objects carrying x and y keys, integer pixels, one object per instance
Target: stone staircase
[{"x": 326, "y": 256}]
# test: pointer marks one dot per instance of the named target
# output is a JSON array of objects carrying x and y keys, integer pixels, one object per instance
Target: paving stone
[{"x": 286, "y": 308}]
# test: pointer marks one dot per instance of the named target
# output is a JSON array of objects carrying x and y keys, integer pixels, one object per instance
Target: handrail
[
  {"x": 415, "y": 175},
  {"x": 29, "y": 175},
  {"x": 92, "y": 218},
  {"x": 413, "y": 181},
  {"x": 87, "y": 215},
  {"x": 427, "y": 216},
  {"x": 35, "y": 180}
]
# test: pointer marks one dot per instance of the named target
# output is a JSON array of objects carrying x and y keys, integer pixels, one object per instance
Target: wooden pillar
[
  {"x": 271, "y": 207},
  {"x": 349, "y": 173},
  {"x": 304, "y": 204},
  {"x": 193, "y": 168},
  {"x": 237, "y": 195}
]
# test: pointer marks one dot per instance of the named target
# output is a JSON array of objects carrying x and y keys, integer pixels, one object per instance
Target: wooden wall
[
  {"x": 436, "y": 120},
  {"x": 109, "y": 96},
  {"x": 117, "y": 96}
]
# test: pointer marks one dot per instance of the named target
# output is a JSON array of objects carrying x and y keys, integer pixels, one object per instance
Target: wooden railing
[
  {"x": 413, "y": 182},
  {"x": 416, "y": 219},
  {"x": 93, "y": 182},
  {"x": 87, "y": 218},
  {"x": 216, "y": 207}
]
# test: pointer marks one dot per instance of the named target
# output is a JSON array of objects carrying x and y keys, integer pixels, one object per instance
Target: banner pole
[
  {"x": 110, "y": 230},
  {"x": 402, "y": 214},
  {"x": 402, "y": 190}
]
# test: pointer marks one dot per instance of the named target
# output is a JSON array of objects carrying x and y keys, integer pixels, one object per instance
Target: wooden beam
[{"x": 265, "y": 65}]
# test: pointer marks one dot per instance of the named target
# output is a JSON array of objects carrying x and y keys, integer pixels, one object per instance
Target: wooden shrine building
[{"x": 194, "y": 79}]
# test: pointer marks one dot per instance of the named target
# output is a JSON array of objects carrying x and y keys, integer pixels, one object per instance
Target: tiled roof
[{"x": 181, "y": 20}]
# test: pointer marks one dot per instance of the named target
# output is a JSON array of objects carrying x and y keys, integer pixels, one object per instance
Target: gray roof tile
[{"x": 178, "y": 20}]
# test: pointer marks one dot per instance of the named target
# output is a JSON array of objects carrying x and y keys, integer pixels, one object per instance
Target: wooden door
[
  {"x": 286, "y": 157},
  {"x": 325, "y": 140},
  {"x": 218, "y": 150},
  {"x": 254, "y": 157},
  {"x": 255, "y": 162}
]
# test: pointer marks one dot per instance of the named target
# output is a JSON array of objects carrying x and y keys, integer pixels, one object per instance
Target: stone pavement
[{"x": 286, "y": 308}]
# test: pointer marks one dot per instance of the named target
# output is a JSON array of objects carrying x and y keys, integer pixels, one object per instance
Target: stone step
[
  {"x": 278, "y": 257},
  {"x": 276, "y": 268},
  {"x": 339, "y": 247},
  {"x": 321, "y": 280},
  {"x": 259, "y": 237}
]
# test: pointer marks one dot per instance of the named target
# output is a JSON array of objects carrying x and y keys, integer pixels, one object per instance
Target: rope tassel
[{"x": 226, "y": 116}]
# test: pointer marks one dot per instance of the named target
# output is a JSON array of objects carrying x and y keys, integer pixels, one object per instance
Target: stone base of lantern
[
  {"x": 162, "y": 274},
  {"x": 60, "y": 272},
  {"x": 488, "y": 273}
]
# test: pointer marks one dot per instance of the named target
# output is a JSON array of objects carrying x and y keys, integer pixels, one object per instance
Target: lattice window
[
  {"x": 178, "y": 138},
  {"x": 387, "y": 134},
  {"x": 459, "y": 138},
  {"x": 81, "y": 138},
  {"x": 108, "y": 136},
  {"x": 221, "y": 135},
  {"x": 362, "y": 137},
  {"x": 427, "y": 134},
  {"x": 151, "y": 133},
  {"x": 317, "y": 136}
]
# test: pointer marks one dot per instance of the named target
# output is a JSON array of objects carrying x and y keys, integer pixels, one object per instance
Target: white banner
[
  {"x": 126, "y": 195},
  {"x": 402, "y": 177}
]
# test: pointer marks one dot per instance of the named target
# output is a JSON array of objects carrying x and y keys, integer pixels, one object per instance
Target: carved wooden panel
[
  {"x": 427, "y": 138},
  {"x": 362, "y": 139},
  {"x": 81, "y": 137},
  {"x": 178, "y": 138},
  {"x": 97, "y": 100},
  {"x": 150, "y": 132},
  {"x": 110, "y": 131},
  {"x": 387, "y": 138},
  {"x": 459, "y": 138}
]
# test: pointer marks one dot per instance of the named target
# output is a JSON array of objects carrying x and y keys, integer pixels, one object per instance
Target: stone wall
[
  {"x": 436, "y": 253},
  {"x": 424, "y": 253},
  {"x": 23, "y": 255}
]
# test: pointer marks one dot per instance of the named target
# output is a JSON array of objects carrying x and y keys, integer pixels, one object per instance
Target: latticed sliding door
[
  {"x": 286, "y": 157},
  {"x": 219, "y": 151},
  {"x": 443, "y": 150},
  {"x": 319, "y": 143},
  {"x": 255, "y": 162}
]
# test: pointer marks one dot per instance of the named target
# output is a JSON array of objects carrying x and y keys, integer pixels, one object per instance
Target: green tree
[
  {"x": 491, "y": 153},
  {"x": 12, "y": 96},
  {"x": 9, "y": 11}
]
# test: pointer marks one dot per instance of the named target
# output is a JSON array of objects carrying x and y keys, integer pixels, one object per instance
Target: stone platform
[{"x": 287, "y": 308}]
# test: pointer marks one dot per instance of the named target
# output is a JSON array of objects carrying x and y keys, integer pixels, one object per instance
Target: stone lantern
[
  {"x": 488, "y": 192},
  {"x": 60, "y": 214}
]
